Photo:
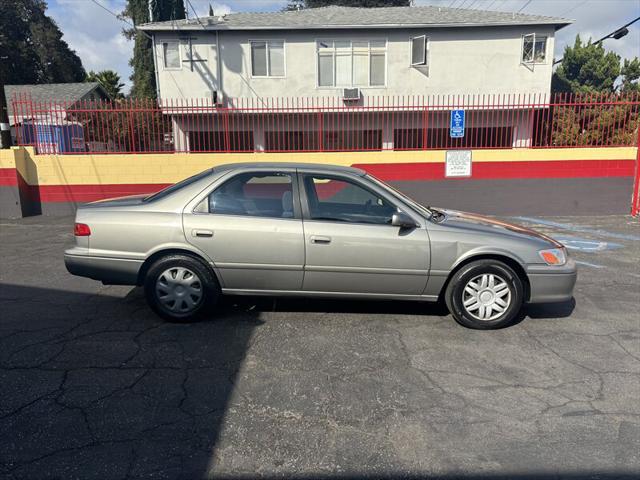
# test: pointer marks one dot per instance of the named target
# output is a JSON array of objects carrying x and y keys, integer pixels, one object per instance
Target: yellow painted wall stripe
[{"x": 93, "y": 169}]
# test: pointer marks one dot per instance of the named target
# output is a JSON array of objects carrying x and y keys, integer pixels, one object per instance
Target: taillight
[{"x": 81, "y": 230}]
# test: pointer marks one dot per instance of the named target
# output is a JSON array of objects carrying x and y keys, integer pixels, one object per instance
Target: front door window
[{"x": 341, "y": 200}]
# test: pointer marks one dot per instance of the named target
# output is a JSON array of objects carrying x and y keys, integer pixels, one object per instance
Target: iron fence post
[
  {"x": 635, "y": 198},
  {"x": 131, "y": 131}
]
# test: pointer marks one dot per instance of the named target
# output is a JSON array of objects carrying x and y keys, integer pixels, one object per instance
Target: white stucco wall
[{"x": 461, "y": 61}]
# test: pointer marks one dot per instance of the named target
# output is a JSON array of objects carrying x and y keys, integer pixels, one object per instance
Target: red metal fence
[
  {"x": 326, "y": 124},
  {"x": 635, "y": 196}
]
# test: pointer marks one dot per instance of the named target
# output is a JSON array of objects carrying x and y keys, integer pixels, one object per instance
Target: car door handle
[
  {"x": 320, "y": 239},
  {"x": 202, "y": 233}
]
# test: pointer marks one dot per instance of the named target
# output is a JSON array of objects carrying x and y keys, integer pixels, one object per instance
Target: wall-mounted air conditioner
[{"x": 351, "y": 94}]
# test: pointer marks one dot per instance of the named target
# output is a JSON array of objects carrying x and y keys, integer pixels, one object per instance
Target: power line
[
  {"x": 621, "y": 29},
  {"x": 524, "y": 6},
  {"x": 617, "y": 33},
  {"x": 196, "y": 15},
  {"x": 579, "y": 4},
  {"x": 122, "y": 19}
]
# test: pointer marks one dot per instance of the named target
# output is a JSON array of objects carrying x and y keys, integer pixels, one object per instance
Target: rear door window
[{"x": 257, "y": 194}]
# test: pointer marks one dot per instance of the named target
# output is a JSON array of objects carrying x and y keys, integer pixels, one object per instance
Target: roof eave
[{"x": 213, "y": 28}]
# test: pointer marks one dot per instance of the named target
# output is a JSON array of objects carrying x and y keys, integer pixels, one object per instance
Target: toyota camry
[{"x": 310, "y": 230}]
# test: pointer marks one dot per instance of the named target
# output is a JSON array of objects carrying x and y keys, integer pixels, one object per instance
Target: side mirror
[{"x": 402, "y": 220}]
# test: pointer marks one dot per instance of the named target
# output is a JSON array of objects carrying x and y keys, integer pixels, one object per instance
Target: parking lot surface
[{"x": 95, "y": 386}]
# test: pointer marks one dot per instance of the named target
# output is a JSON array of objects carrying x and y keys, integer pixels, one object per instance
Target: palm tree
[{"x": 109, "y": 80}]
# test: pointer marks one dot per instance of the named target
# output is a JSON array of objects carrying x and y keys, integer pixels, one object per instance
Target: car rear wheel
[
  {"x": 180, "y": 288},
  {"x": 485, "y": 294}
]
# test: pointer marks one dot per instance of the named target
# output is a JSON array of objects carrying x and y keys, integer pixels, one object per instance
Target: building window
[
  {"x": 419, "y": 50},
  {"x": 534, "y": 48},
  {"x": 267, "y": 58},
  {"x": 347, "y": 63},
  {"x": 171, "y": 54}
]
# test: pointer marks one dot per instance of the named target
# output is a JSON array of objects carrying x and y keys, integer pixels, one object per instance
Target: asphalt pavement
[{"x": 93, "y": 385}]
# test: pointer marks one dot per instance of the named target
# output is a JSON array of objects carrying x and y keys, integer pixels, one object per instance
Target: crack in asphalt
[{"x": 94, "y": 380}]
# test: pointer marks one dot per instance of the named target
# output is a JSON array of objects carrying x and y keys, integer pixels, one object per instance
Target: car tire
[
  {"x": 485, "y": 295},
  {"x": 181, "y": 288}
]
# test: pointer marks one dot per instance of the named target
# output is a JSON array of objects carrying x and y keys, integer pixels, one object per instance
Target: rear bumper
[
  {"x": 552, "y": 284},
  {"x": 114, "y": 271}
]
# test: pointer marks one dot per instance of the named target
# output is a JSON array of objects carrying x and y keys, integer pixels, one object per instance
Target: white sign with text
[{"x": 458, "y": 163}]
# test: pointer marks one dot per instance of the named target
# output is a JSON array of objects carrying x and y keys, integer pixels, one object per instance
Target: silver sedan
[{"x": 314, "y": 231}]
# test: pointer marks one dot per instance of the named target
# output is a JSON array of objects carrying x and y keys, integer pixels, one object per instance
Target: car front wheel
[
  {"x": 180, "y": 288},
  {"x": 485, "y": 294}
]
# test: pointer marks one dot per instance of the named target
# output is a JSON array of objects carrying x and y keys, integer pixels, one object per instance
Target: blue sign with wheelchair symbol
[{"x": 456, "y": 127}]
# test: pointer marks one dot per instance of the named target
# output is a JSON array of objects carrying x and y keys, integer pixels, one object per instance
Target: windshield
[
  {"x": 421, "y": 208},
  {"x": 177, "y": 186}
]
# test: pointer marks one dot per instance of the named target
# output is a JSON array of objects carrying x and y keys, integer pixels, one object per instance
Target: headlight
[{"x": 553, "y": 256}]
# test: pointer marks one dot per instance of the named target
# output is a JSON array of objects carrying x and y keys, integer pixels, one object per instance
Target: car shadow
[
  {"x": 550, "y": 310},
  {"x": 428, "y": 309},
  {"x": 96, "y": 382},
  {"x": 332, "y": 305}
]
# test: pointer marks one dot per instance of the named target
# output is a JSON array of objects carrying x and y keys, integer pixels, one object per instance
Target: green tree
[
  {"x": 143, "y": 77},
  {"x": 109, "y": 80},
  {"x": 162, "y": 10},
  {"x": 32, "y": 48},
  {"x": 630, "y": 72},
  {"x": 589, "y": 68},
  {"x": 586, "y": 70},
  {"x": 298, "y": 4}
]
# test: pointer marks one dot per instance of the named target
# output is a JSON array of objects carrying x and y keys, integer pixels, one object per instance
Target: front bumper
[
  {"x": 113, "y": 271},
  {"x": 552, "y": 284}
]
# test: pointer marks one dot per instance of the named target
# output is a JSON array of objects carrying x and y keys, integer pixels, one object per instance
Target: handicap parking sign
[{"x": 456, "y": 127}]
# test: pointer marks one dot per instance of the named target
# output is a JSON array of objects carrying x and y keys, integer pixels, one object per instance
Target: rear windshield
[{"x": 177, "y": 186}]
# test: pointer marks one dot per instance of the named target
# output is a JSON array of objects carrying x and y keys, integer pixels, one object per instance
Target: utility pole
[{"x": 5, "y": 129}]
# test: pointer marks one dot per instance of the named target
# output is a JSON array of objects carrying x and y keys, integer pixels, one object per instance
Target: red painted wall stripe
[
  {"x": 497, "y": 170},
  {"x": 8, "y": 177},
  {"x": 386, "y": 171},
  {"x": 89, "y": 193}
]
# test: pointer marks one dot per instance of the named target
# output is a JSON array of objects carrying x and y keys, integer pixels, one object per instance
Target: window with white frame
[
  {"x": 534, "y": 48},
  {"x": 171, "y": 54},
  {"x": 267, "y": 58},
  {"x": 351, "y": 63},
  {"x": 419, "y": 51}
]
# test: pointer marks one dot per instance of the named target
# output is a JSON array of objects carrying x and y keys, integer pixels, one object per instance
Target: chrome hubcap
[
  {"x": 179, "y": 290},
  {"x": 486, "y": 297}
]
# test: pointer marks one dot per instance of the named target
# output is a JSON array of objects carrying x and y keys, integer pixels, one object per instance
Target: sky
[{"x": 96, "y": 35}]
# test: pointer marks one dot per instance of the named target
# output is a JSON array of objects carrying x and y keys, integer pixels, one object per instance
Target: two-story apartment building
[{"x": 354, "y": 55}]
